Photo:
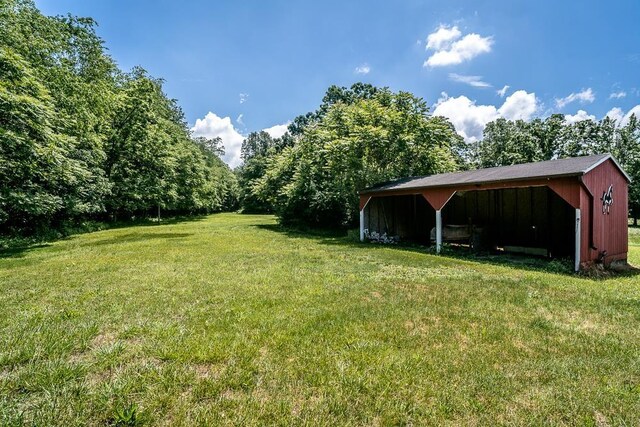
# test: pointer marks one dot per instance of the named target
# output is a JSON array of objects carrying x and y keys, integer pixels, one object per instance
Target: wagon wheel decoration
[{"x": 607, "y": 200}]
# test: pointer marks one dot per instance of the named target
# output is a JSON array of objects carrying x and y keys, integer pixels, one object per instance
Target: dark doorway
[
  {"x": 531, "y": 220},
  {"x": 409, "y": 217}
]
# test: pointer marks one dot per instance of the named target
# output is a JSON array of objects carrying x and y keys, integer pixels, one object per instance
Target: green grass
[{"x": 230, "y": 320}]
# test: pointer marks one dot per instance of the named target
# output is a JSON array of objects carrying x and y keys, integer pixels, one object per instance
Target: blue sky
[{"x": 236, "y": 67}]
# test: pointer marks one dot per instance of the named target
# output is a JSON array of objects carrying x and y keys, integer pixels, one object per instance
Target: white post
[
  {"x": 576, "y": 265},
  {"x": 438, "y": 230},
  {"x": 362, "y": 225}
]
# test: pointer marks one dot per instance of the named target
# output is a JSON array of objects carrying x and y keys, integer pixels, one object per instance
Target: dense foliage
[
  {"x": 358, "y": 137},
  {"x": 79, "y": 138},
  {"x": 511, "y": 142},
  {"x": 256, "y": 151}
]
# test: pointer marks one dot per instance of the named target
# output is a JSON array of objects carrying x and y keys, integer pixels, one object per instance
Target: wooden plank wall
[
  {"x": 410, "y": 217},
  {"x": 610, "y": 231}
]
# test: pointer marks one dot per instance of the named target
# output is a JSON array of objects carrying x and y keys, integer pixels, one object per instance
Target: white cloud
[
  {"x": 520, "y": 105},
  {"x": 470, "y": 119},
  {"x": 620, "y": 117},
  {"x": 616, "y": 114},
  {"x": 586, "y": 95},
  {"x": 212, "y": 126},
  {"x": 450, "y": 49},
  {"x": 618, "y": 95},
  {"x": 239, "y": 119},
  {"x": 578, "y": 117},
  {"x": 475, "y": 81},
  {"x": 442, "y": 37},
  {"x": 278, "y": 130},
  {"x": 502, "y": 92},
  {"x": 362, "y": 69},
  {"x": 635, "y": 110},
  {"x": 244, "y": 97}
]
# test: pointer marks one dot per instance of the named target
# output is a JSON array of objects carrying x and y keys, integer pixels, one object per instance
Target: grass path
[{"x": 229, "y": 320}]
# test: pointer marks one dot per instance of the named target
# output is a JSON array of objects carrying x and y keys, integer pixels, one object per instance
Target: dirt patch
[
  {"x": 422, "y": 326},
  {"x": 601, "y": 420},
  {"x": 94, "y": 379},
  {"x": 4, "y": 374},
  {"x": 81, "y": 358},
  {"x": 230, "y": 394},
  {"x": 205, "y": 371},
  {"x": 103, "y": 339}
]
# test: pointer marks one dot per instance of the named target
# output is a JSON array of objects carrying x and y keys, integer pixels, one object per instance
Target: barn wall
[{"x": 610, "y": 231}]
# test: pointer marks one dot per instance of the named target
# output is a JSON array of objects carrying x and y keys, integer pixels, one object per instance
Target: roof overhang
[
  {"x": 466, "y": 184},
  {"x": 420, "y": 188},
  {"x": 615, "y": 162}
]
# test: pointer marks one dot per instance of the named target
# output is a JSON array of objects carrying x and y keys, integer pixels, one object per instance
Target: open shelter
[{"x": 575, "y": 207}]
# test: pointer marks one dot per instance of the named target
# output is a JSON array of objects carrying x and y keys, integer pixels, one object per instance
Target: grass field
[{"x": 230, "y": 320}]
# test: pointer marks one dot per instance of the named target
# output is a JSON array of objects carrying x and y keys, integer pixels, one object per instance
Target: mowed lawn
[{"x": 230, "y": 320}]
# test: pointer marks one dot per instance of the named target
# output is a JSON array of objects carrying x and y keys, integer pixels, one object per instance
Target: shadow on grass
[
  {"x": 21, "y": 251},
  {"x": 21, "y": 246},
  {"x": 138, "y": 237},
  {"x": 545, "y": 265}
]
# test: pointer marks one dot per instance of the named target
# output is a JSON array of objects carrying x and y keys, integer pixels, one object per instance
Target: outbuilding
[{"x": 575, "y": 207}]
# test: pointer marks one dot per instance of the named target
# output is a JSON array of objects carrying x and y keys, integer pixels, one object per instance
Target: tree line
[
  {"x": 364, "y": 135},
  {"x": 80, "y": 138}
]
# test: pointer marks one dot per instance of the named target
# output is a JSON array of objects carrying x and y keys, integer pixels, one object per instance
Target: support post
[
  {"x": 438, "y": 231},
  {"x": 578, "y": 230},
  {"x": 363, "y": 217}
]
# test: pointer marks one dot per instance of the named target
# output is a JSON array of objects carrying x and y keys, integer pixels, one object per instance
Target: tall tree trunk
[{"x": 158, "y": 212}]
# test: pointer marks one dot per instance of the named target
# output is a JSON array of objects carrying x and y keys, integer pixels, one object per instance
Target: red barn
[{"x": 576, "y": 207}]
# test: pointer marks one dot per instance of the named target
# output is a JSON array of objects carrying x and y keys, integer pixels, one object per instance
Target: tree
[
  {"x": 335, "y": 94},
  {"x": 67, "y": 58},
  {"x": 37, "y": 173},
  {"x": 354, "y": 145},
  {"x": 138, "y": 153},
  {"x": 81, "y": 138},
  {"x": 507, "y": 143},
  {"x": 255, "y": 151},
  {"x": 628, "y": 152}
]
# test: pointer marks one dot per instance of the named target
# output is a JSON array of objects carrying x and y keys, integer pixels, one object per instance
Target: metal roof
[{"x": 574, "y": 166}]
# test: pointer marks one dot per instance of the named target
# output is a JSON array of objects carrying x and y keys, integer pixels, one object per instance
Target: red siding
[
  {"x": 364, "y": 200},
  {"x": 599, "y": 232},
  {"x": 609, "y": 231},
  {"x": 438, "y": 197},
  {"x": 568, "y": 189}
]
